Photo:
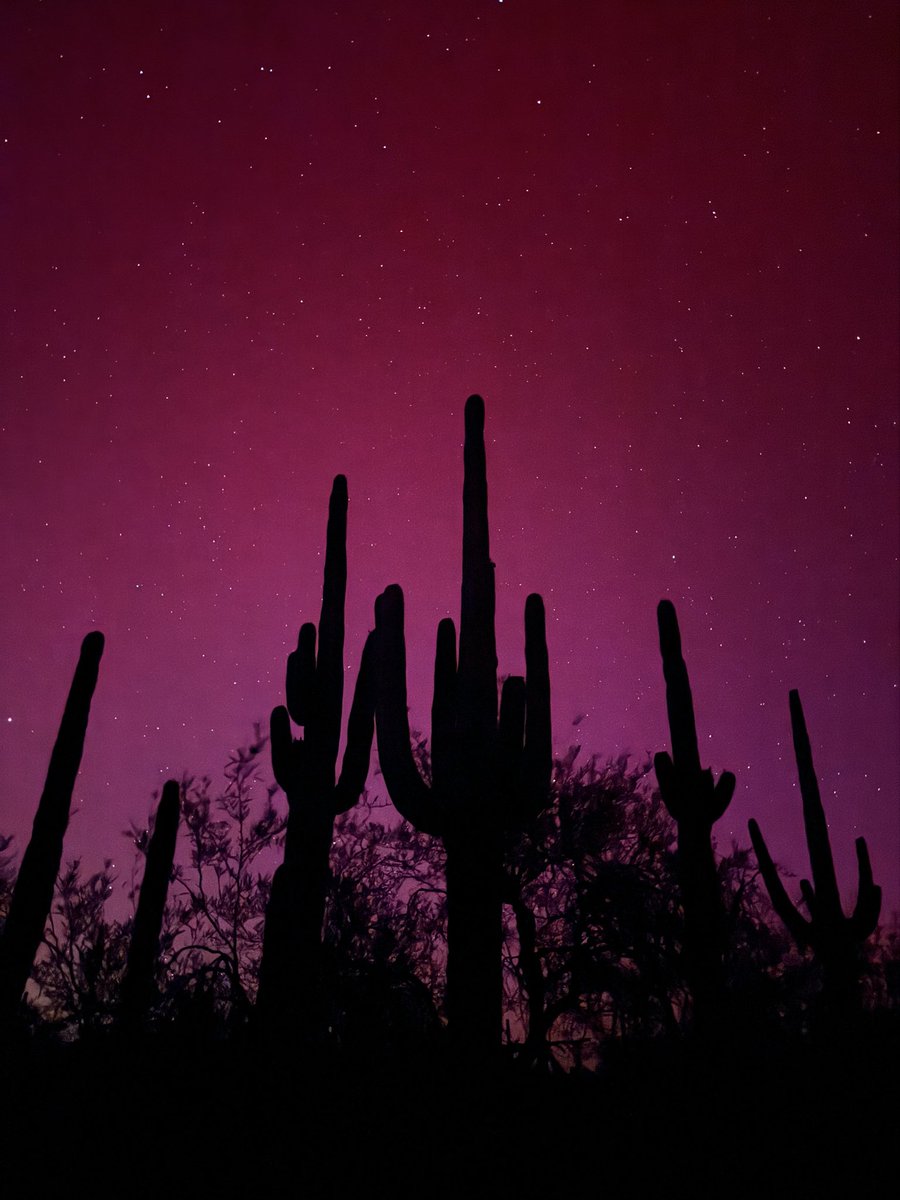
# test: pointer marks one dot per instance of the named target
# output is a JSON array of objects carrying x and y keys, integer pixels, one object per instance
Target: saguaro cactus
[
  {"x": 137, "y": 986},
  {"x": 696, "y": 803},
  {"x": 836, "y": 940},
  {"x": 486, "y": 773},
  {"x": 33, "y": 893},
  {"x": 290, "y": 971}
]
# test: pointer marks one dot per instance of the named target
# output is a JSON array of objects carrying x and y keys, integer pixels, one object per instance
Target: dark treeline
[{"x": 547, "y": 944}]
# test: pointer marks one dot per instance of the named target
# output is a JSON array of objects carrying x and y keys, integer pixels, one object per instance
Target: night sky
[{"x": 251, "y": 245}]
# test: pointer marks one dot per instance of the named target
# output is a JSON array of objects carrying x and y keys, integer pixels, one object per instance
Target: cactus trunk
[
  {"x": 33, "y": 893},
  {"x": 474, "y": 944},
  {"x": 290, "y": 976},
  {"x": 137, "y": 986},
  {"x": 704, "y": 921}
]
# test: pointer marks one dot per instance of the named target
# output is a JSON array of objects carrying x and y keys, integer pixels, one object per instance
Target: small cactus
[
  {"x": 488, "y": 774},
  {"x": 137, "y": 986},
  {"x": 290, "y": 971},
  {"x": 33, "y": 892},
  {"x": 695, "y": 802},
  {"x": 836, "y": 940}
]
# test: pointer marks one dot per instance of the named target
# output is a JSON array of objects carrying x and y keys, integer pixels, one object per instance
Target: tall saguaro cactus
[
  {"x": 487, "y": 773},
  {"x": 33, "y": 893},
  {"x": 696, "y": 803},
  {"x": 290, "y": 971},
  {"x": 137, "y": 986},
  {"x": 836, "y": 940}
]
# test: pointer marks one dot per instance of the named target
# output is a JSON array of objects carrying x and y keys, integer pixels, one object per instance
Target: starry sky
[{"x": 251, "y": 245}]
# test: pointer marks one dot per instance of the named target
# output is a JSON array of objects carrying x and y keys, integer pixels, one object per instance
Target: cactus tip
[
  {"x": 93, "y": 643},
  {"x": 446, "y": 630},
  {"x": 388, "y": 601},
  {"x": 667, "y": 619},
  {"x": 534, "y": 607},
  {"x": 474, "y": 415},
  {"x": 170, "y": 800},
  {"x": 669, "y": 633}
]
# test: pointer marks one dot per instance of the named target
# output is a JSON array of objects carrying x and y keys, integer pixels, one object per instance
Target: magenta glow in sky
[{"x": 252, "y": 245}]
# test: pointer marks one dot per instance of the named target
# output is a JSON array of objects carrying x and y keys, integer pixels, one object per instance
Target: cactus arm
[
  {"x": 413, "y": 799},
  {"x": 288, "y": 753},
  {"x": 511, "y": 725},
  {"x": 796, "y": 924},
  {"x": 329, "y": 663},
  {"x": 807, "y": 891},
  {"x": 679, "y": 702},
  {"x": 665, "y": 777},
  {"x": 443, "y": 707},
  {"x": 33, "y": 893},
  {"x": 687, "y": 789},
  {"x": 538, "y": 754},
  {"x": 510, "y": 740},
  {"x": 477, "y": 678},
  {"x": 300, "y": 683},
  {"x": 820, "y": 857},
  {"x": 868, "y": 899},
  {"x": 721, "y": 794},
  {"x": 360, "y": 730},
  {"x": 137, "y": 986}
]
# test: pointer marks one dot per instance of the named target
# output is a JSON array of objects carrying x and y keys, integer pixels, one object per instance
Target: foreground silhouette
[
  {"x": 659, "y": 1108},
  {"x": 290, "y": 977},
  {"x": 835, "y": 940},
  {"x": 487, "y": 774},
  {"x": 33, "y": 893}
]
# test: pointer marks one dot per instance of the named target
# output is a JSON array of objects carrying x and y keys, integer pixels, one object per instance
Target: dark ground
[{"x": 159, "y": 1117}]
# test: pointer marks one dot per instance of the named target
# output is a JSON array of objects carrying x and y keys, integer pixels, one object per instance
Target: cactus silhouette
[
  {"x": 290, "y": 970},
  {"x": 33, "y": 893},
  {"x": 836, "y": 940},
  {"x": 487, "y": 774},
  {"x": 696, "y": 803},
  {"x": 137, "y": 986}
]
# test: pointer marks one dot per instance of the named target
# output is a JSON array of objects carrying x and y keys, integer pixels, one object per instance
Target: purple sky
[{"x": 252, "y": 245}]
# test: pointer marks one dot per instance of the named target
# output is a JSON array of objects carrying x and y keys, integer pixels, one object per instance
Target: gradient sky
[{"x": 252, "y": 245}]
